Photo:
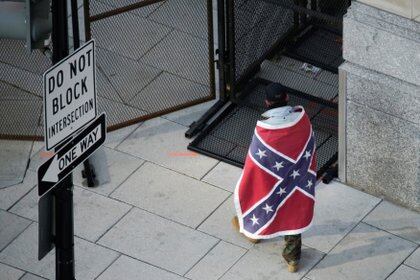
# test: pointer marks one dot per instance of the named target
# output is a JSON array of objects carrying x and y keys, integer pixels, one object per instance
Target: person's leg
[{"x": 292, "y": 250}]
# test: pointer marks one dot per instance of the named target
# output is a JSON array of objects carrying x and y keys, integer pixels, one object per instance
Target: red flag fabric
[{"x": 275, "y": 195}]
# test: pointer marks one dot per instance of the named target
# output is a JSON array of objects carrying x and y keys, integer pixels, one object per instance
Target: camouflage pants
[{"x": 292, "y": 248}]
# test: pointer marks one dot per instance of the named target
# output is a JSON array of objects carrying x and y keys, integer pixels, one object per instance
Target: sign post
[{"x": 72, "y": 130}]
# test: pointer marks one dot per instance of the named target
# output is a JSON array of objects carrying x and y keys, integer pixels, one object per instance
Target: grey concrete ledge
[
  {"x": 388, "y": 21},
  {"x": 383, "y": 93},
  {"x": 382, "y": 42}
]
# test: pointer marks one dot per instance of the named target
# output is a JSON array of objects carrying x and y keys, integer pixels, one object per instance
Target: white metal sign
[{"x": 69, "y": 95}]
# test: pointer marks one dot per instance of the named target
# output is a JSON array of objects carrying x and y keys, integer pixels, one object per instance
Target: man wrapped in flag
[{"x": 275, "y": 195}]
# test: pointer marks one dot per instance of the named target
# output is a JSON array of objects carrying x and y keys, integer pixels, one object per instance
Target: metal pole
[{"x": 63, "y": 194}]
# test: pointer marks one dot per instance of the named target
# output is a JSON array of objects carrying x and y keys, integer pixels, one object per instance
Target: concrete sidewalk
[{"x": 166, "y": 215}]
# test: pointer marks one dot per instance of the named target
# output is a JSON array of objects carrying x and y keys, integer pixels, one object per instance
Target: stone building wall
[{"x": 380, "y": 100}]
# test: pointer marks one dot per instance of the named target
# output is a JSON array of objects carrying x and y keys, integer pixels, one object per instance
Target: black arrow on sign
[{"x": 71, "y": 155}]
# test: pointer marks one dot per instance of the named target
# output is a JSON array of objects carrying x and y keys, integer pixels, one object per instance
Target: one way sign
[{"x": 71, "y": 155}]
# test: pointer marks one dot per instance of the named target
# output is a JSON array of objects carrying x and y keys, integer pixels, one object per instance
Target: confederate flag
[{"x": 275, "y": 195}]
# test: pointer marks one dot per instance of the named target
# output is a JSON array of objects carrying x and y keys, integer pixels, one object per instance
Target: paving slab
[
  {"x": 163, "y": 142},
  {"x": 34, "y": 61},
  {"x": 10, "y": 195},
  {"x": 118, "y": 113},
  {"x": 115, "y": 137},
  {"x": 23, "y": 79},
  {"x": 10, "y": 273},
  {"x": 414, "y": 260},
  {"x": 29, "y": 276},
  {"x": 219, "y": 225},
  {"x": 264, "y": 261},
  {"x": 133, "y": 270},
  {"x": 170, "y": 194},
  {"x": 186, "y": 15},
  {"x": 397, "y": 220},
  {"x": 338, "y": 209},
  {"x": 106, "y": 5},
  {"x": 189, "y": 115},
  {"x": 108, "y": 35},
  {"x": 120, "y": 166},
  {"x": 181, "y": 54},
  {"x": 153, "y": 97},
  {"x": 91, "y": 259},
  {"x": 12, "y": 170},
  {"x": 11, "y": 227},
  {"x": 405, "y": 273},
  {"x": 25, "y": 121},
  {"x": 158, "y": 241},
  {"x": 366, "y": 253},
  {"x": 93, "y": 214},
  {"x": 224, "y": 175},
  {"x": 11, "y": 92},
  {"x": 216, "y": 262},
  {"x": 126, "y": 75},
  {"x": 104, "y": 88},
  {"x": 36, "y": 147}
]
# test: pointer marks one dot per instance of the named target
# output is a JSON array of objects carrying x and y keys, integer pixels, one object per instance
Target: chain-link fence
[{"x": 153, "y": 57}]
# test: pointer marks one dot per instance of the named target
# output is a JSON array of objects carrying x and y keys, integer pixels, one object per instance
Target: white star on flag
[
  {"x": 281, "y": 192},
  {"x": 278, "y": 165},
  {"x": 295, "y": 174},
  {"x": 268, "y": 208},
  {"x": 254, "y": 220},
  {"x": 307, "y": 155},
  {"x": 309, "y": 185},
  {"x": 261, "y": 154}
]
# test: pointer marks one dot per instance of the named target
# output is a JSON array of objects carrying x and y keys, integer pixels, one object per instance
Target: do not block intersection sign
[
  {"x": 69, "y": 95},
  {"x": 71, "y": 155}
]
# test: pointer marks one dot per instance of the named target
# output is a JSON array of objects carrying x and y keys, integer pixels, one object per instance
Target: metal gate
[
  {"x": 297, "y": 43},
  {"x": 153, "y": 57}
]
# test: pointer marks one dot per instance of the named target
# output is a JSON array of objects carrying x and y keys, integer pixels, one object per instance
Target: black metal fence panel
[
  {"x": 153, "y": 57},
  {"x": 297, "y": 43}
]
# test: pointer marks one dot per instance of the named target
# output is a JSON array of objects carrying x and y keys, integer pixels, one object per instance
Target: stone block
[
  {"x": 264, "y": 261},
  {"x": 158, "y": 241},
  {"x": 216, "y": 262},
  {"x": 181, "y": 54},
  {"x": 382, "y": 154},
  {"x": 10, "y": 273},
  {"x": 10, "y": 195},
  {"x": 11, "y": 227},
  {"x": 93, "y": 214},
  {"x": 366, "y": 253},
  {"x": 219, "y": 225},
  {"x": 133, "y": 269},
  {"x": 163, "y": 142},
  {"x": 186, "y": 200},
  {"x": 397, "y": 220},
  {"x": 189, "y": 115},
  {"x": 338, "y": 209},
  {"x": 414, "y": 260},
  {"x": 400, "y": 7},
  {"x": 17, "y": 153},
  {"x": 108, "y": 35},
  {"x": 22, "y": 253},
  {"x": 382, "y": 43},
  {"x": 29, "y": 276},
  {"x": 382, "y": 93},
  {"x": 224, "y": 176},
  {"x": 404, "y": 273},
  {"x": 120, "y": 166}
]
